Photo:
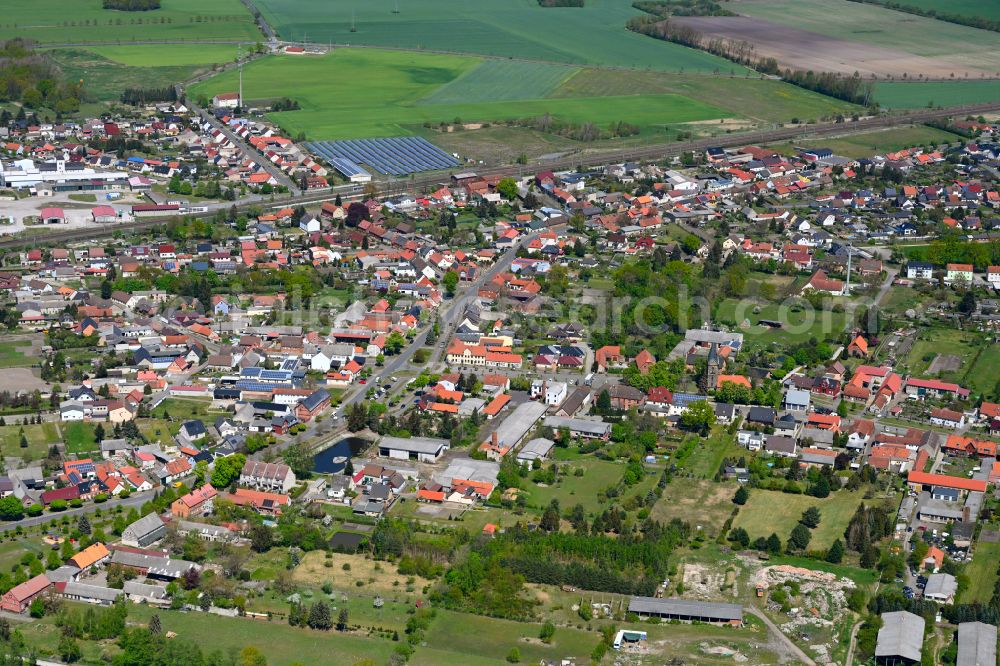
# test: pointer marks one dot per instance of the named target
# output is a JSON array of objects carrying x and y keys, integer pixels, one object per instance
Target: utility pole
[
  {"x": 847, "y": 287},
  {"x": 239, "y": 58}
]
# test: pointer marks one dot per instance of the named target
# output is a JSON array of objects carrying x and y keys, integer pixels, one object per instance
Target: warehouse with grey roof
[
  {"x": 900, "y": 639},
  {"x": 687, "y": 610}
]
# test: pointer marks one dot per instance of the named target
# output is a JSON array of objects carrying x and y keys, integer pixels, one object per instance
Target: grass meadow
[
  {"x": 770, "y": 511},
  {"x": 51, "y": 21},
  {"x": 105, "y": 79},
  {"x": 982, "y": 573},
  {"x": 355, "y": 93},
  {"x": 800, "y": 323},
  {"x": 591, "y": 35},
  {"x": 912, "y": 95},
  {"x": 40, "y": 438}
]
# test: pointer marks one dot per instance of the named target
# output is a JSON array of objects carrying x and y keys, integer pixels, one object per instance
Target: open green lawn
[
  {"x": 40, "y": 438},
  {"x": 700, "y": 502},
  {"x": 502, "y": 80},
  {"x": 759, "y": 99},
  {"x": 572, "y": 490},
  {"x": 183, "y": 409},
  {"x": 354, "y": 93},
  {"x": 874, "y": 143},
  {"x": 56, "y": 21},
  {"x": 12, "y": 354},
  {"x": 871, "y": 24},
  {"x": 593, "y": 35},
  {"x": 457, "y": 635},
  {"x": 903, "y": 95},
  {"x": 982, "y": 573},
  {"x": 104, "y": 79},
  {"x": 770, "y": 511},
  {"x": 79, "y": 437},
  {"x": 800, "y": 323}
]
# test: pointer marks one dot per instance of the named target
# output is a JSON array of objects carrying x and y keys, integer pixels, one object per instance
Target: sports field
[
  {"x": 901, "y": 95},
  {"x": 59, "y": 21},
  {"x": 953, "y": 47},
  {"x": 591, "y": 35},
  {"x": 770, "y": 511},
  {"x": 355, "y": 93}
]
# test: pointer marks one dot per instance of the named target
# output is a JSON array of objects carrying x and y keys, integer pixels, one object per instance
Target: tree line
[
  {"x": 665, "y": 8},
  {"x": 141, "y": 96}
]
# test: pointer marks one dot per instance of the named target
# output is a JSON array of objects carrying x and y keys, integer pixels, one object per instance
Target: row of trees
[{"x": 141, "y": 96}]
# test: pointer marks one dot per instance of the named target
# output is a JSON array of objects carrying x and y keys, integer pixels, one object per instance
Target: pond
[{"x": 333, "y": 459}]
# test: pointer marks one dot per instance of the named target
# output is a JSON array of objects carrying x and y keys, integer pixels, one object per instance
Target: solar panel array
[
  {"x": 348, "y": 168},
  {"x": 398, "y": 156}
]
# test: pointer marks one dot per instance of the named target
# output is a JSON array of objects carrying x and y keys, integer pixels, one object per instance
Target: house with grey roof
[{"x": 148, "y": 529}]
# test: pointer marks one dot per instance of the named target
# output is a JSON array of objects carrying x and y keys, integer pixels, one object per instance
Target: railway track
[{"x": 420, "y": 183}]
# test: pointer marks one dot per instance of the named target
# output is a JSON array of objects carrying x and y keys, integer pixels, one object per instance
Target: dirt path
[
  {"x": 783, "y": 644},
  {"x": 854, "y": 640}
]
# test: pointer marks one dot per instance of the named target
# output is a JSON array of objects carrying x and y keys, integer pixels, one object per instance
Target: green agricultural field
[
  {"x": 354, "y": 93},
  {"x": 873, "y": 143},
  {"x": 12, "y": 354},
  {"x": 501, "y": 81},
  {"x": 770, "y": 511},
  {"x": 456, "y": 635},
  {"x": 764, "y": 100},
  {"x": 58, "y": 22},
  {"x": 105, "y": 79},
  {"x": 168, "y": 56},
  {"x": 989, "y": 9},
  {"x": 877, "y": 26},
  {"x": 982, "y": 573},
  {"x": 591, "y": 35},
  {"x": 800, "y": 322},
  {"x": 900, "y": 95}
]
